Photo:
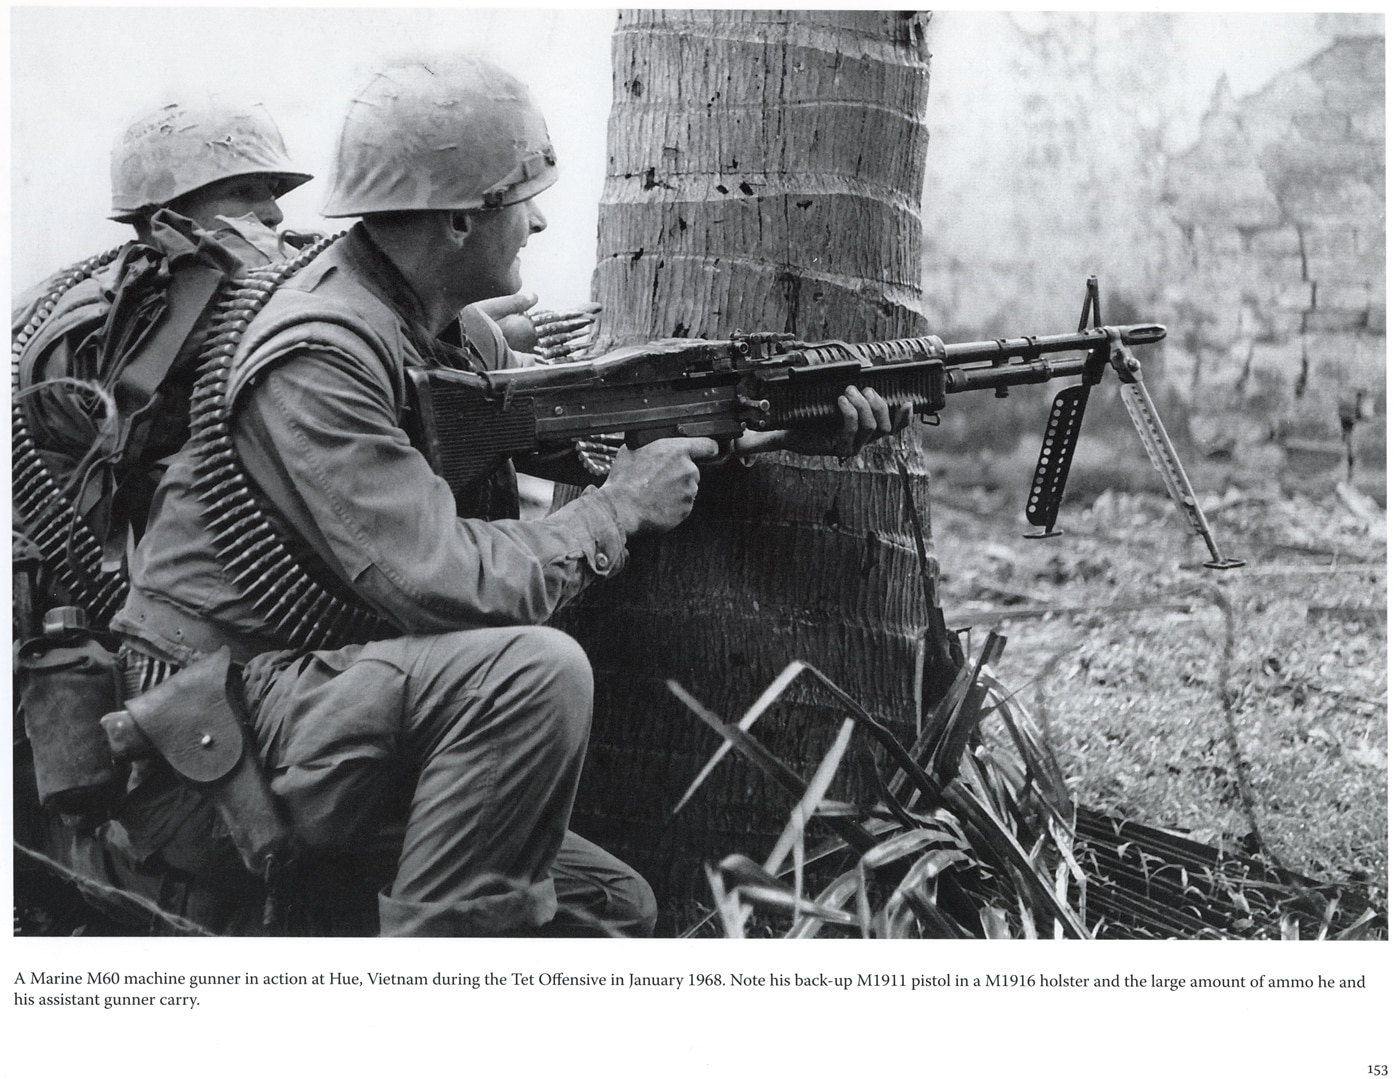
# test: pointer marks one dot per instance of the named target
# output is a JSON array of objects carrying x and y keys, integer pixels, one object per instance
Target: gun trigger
[{"x": 726, "y": 454}]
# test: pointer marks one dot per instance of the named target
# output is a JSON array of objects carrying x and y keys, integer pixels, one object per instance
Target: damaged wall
[
  {"x": 1251, "y": 223},
  {"x": 1280, "y": 302}
]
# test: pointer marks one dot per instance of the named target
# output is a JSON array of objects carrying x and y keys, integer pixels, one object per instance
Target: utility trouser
[{"x": 461, "y": 752}]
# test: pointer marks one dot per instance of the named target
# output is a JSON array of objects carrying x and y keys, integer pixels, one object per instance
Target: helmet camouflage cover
[
  {"x": 180, "y": 148},
  {"x": 455, "y": 134}
]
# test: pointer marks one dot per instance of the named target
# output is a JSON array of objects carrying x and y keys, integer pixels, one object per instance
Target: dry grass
[{"x": 1132, "y": 699}]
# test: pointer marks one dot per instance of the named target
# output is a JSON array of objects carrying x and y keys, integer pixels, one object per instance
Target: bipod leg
[
  {"x": 1168, "y": 465},
  {"x": 1056, "y": 453}
]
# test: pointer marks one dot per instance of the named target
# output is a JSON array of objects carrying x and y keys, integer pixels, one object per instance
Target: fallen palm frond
[
  {"x": 974, "y": 834},
  {"x": 966, "y": 843},
  {"x": 1151, "y": 883}
]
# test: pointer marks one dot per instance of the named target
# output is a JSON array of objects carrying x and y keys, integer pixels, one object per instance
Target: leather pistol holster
[{"x": 196, "y": 721}]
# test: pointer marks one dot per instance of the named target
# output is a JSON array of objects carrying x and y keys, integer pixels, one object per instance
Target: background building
[{"x": 1248, "y": 215}]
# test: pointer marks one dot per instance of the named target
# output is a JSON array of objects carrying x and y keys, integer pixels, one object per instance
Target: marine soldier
[
  {"x": 198, "y": 183},
  {"x": 96, "y": 410},
  {"x": 435, "y": 721},
  {"x": 218, "y": 164}
]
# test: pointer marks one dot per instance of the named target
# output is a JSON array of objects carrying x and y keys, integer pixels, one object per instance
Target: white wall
[
  {"x": 78, "y": 75},
  {"x": 1048, "y": 136}
]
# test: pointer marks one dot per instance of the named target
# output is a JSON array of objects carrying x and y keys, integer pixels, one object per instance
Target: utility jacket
[{"x": 317, "y": 396}]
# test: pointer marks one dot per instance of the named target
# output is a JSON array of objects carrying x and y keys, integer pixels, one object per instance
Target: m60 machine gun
[{"x": 468, "y": 423}]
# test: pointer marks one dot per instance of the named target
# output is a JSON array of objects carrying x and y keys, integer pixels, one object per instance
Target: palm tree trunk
[{"x": 764, "y": 174}]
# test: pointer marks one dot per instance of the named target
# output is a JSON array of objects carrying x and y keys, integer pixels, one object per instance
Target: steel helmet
[
  {"x": 456, "y": 134},
  {"x": 181, "y": 148}
]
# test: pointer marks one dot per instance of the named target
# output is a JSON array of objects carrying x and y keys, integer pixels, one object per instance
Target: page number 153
[{"x": 1377, "y": 1069}]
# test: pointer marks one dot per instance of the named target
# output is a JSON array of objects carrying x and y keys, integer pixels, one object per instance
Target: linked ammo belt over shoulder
[
  {"x": 71, "y": 553},
  {"x": 258, "y": 563}
]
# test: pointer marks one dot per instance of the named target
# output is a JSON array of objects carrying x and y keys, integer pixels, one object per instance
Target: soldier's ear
[{"x": 459, "y": 224}]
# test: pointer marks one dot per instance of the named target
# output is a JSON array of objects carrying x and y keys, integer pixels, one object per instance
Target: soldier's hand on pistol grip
[{"x": 653, "y": 488}]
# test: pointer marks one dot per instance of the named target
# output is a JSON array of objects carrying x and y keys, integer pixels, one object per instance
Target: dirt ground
[{"x": 1118, "y": 639}]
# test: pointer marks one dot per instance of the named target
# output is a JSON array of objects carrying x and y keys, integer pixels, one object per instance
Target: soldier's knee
[
  {"x": 555, "y": 669},
  {"x": 634, "y": 911},
  {"x": 559, "y": 659},
  {"x": 600, "y": 895}
]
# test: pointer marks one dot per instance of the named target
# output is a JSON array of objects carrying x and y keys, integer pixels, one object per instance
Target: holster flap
[{"x": 194, "y": 718}]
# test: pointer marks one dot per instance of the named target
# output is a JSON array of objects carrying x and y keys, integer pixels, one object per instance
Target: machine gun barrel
[
  {"x": 966, "y": 353},
  {"x": 1097, "y": 339},
  {"x": 1019, "y": 361}
]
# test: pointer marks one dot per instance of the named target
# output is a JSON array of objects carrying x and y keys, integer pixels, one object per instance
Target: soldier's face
[
  {"x": 492, "y": 250},
  {"x": 234, "y": 197}
]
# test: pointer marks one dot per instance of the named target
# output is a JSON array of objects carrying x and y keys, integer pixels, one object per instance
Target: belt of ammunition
[
  {"x": 72, "y": 555},
  {"x": 279, "y": 587}
]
